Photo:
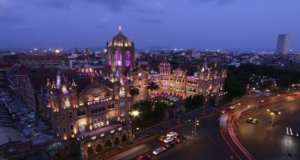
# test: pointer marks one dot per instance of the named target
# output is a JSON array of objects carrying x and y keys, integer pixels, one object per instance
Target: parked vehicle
[{"x": 158, "y": 150}]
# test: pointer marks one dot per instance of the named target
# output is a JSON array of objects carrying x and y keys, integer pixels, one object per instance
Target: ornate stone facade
[
  {"x": 208, "y": 80},
  {"x": 95, "y": 114},
  {"x": 120, "y": 53}
]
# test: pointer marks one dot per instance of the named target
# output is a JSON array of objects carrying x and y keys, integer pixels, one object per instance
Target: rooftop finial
[{"x": 120, "y": 28}]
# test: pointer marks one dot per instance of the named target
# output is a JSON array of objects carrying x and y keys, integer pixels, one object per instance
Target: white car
[
  {"x": 232, "y": 107},
  {"x": 172, "y": 134},
  {"x": 158, "y": 150},
  {"x": 168, "y": 139}
]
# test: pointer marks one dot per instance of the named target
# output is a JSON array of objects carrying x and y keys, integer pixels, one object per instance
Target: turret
[{"x": 164, "y": 68}]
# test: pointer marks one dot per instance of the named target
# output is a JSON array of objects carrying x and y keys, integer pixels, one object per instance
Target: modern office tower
[{"x": 283, "y": 44}]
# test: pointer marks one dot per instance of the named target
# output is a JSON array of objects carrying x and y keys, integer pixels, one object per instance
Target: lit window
[{"x": 122, "y": 92}]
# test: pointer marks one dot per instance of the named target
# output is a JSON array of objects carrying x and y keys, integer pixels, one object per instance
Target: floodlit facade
[
  {"x": 90, "y": 108},
  {"x": 95, "y": 114},
  {"x": 207, "y": 81},
  {"x": 120, "y": 53}
]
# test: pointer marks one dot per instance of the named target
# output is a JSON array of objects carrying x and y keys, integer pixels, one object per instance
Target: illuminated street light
[
  {"x": 135, "y": 113},
  {"x": 273, "y": 115}
]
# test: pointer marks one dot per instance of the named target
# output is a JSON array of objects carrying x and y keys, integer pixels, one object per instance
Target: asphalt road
[
  {"x": 209, "y": 144},
  {"x": 265, "y": 141}
]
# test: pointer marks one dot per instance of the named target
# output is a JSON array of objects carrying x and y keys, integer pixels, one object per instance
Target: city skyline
[{"x": 206, "y": 24}]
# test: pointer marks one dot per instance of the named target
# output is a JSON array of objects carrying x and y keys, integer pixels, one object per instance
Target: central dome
[{"x": 120, "y": 40}]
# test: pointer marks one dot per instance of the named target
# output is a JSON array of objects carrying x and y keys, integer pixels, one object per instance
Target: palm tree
[
  {"x": 152, "y": 86},
  {"x": 134, "y": 92}
]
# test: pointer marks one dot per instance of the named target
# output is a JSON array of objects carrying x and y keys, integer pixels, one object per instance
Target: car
[
  {"x": 254, "y": 121},
  {"x": 168, "y": 139},
  {"x": 172, "y": 134},
  {"x": 144, "y": 157},
  {"x": 249, "y": 120},
  {"x": 232, "y": 107},
  {"x": 180, "y": 139},
  {"x": 170, "y": 145},
  {"x": 158, "y": 150},
  {"x": 161, "y": 138}
]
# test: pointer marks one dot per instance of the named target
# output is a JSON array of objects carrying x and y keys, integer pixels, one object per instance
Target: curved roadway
[{"x": 234, "y": 128}]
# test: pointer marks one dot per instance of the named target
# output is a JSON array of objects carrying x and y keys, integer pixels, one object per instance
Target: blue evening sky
[{"x": 201, "y": 24}]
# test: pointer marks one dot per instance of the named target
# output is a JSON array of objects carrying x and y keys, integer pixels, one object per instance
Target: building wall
[
  {"x": 209, "y": 81},
  {"x": 26, "y": 91},
  {"x": 140, "y": 81},
  {"x": 83, "y": 115}
]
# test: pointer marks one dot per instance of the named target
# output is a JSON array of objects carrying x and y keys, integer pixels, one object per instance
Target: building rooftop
[{"x": 18, "y": 123}]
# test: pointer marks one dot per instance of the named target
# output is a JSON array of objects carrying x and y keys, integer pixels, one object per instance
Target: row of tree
[
  {"x": 135, "y": 91},
  {"x": 193, "y": 102},
  {"x": 150, "y": 112},
  {"x": 238, "y": 78}
]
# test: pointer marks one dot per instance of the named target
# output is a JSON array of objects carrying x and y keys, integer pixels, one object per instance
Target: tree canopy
[
  {"x": 193, "y": 102},
  {"x": 152, "y": 86},
  {"x": 134, "y": 91}
]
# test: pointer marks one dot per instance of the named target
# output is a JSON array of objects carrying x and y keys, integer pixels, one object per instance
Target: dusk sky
[{"x": 201, "y": 24}]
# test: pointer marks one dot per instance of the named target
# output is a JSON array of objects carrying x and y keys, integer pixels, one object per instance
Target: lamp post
[
  {"x": 194, "y": 127},
  {"x": 273, "y": 115},
  {"x": 134, "y": 113}
]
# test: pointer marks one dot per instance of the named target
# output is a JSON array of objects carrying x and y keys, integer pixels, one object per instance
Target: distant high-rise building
[{"x": 283, "y": 44}]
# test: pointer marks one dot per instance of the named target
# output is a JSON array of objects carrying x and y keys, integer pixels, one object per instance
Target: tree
[
  {"x": 193, "y": 102},
  {"x": 234, "y": 87},
  {"x": 152, "y": 86},
  {"x": 134, "y": 92},
  {"x": 146, "y": 116},
  {"x": 198, "y": 100}
]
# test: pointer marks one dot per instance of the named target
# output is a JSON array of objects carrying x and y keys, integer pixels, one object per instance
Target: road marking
[
  {"x": 291, "y": 131},
  {"x": 287, "y": 131}
]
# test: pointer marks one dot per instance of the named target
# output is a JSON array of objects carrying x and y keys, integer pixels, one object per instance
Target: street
[
  {"x": 265, "y": 141},
  {"x": 253, "y": 141}
]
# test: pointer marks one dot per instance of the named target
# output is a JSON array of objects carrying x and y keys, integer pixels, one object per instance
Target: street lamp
[
  {"x": 194, "y": 128},
  {"x": 134, "y": 113},
  {"x": 273, "y": 115}
]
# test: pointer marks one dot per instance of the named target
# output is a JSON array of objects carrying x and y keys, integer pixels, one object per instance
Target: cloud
[
  {"x": 8, "y": 12},
  {"x": 219, "y": 2},
  {"x": 151, "y": 13},
  {"x": 154, "y": 8},
  {"x": 151, "y": 20},
  {"x": 114, "y": 5}
]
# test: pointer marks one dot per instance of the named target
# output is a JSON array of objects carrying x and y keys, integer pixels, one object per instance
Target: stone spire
[
  {"x": 58, "y": 80},
  {"x": 120, "y": 28}
]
